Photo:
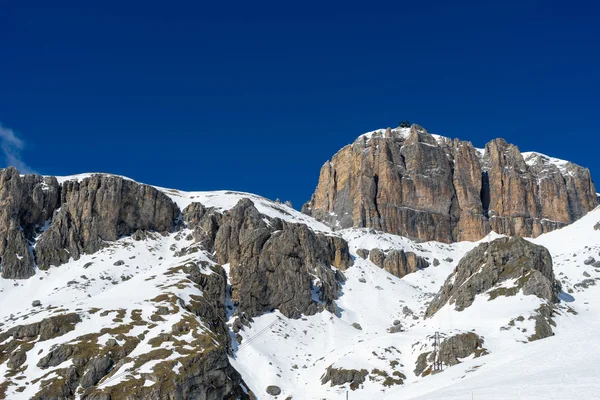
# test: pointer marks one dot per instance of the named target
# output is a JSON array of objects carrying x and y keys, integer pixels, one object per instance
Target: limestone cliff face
[
  {"x": 26, "y": 203},
  {"x": 408, "y": 182},
  {"x": 44, "y": 223},
  {"x": 98, "y": 209}
]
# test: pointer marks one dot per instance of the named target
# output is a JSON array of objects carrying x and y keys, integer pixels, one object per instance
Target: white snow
[{"x": 532, "y": 157}]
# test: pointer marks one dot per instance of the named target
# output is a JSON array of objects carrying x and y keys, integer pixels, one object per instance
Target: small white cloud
[{"x": 12, "y": 146}]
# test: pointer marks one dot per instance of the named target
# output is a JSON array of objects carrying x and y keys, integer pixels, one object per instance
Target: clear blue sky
[{"x": 256, "y": 96}]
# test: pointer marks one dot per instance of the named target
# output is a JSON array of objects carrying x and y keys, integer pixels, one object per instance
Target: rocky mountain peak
[{"x": 409, "y": 182}]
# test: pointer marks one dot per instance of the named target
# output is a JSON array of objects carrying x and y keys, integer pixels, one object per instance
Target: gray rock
[
  {"x": 16, "y": 359},
  {"x": 119, "y": 263},
  {"x": 421, "y": 364},
  {"x": 585, "y": 284},
  {"x": 448, "y": 259},
  {"x": 590, "y": 260},
  {"x": 502, "y": 259},
  {"x": 98, "y": 209},
  {"x": 363, "y": 253},
  {"x": 377, "y": 257},
  {"x": 356, "y": 325},
  {"x": 163, "y": 310},
  {"x": 340, "y": 376},
  {"x": 543, "y": 322},
  {"x": 436, "y": 262},
  {"x": 273, "y": 390},
  {"x": 362, "y": 280},
  {"x": 56, "y": 356},
  {"x": 406, "y": 311},
  {"x": 396, "y": 322},
  {"x": 97, "y": 368},
  {"x": 26, "y": 203},
  {"x": 395, "y": 329},
  {"x": 36, "y": 303},
  {"x": 597, "y": 226},
  {"x": 451, "y": 350},
  {"x": 461, "y": 346},
  {"x": 204, "y": 221}
]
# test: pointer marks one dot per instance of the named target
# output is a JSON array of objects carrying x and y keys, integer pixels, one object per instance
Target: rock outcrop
[
  {"x": 397, "y": 262},
  {"x": 490, "y": 264},
  {"x": 452, "y": 349},
  {"x": 273, "y": 264},
  {"x": 98, "y": 209},
  {"x": 340, "y": 376},
  {"x": 408, "y": 182},
  {"x": 27, "y": 202}
]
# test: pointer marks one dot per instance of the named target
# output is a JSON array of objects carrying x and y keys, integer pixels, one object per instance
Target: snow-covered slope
[
  {"x": 295, "y": 354},
  {"x": 128, "y": 281}
]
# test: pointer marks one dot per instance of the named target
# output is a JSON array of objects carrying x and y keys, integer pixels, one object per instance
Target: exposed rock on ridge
[
  {"x": 452, "y": 349},
  {"x": 490, "y": 264},
  {"x": 26, "y": 203},
  {"x": 408, "y": 182},
  {"x": 273, "y": 264},
  {"x": 98, "y": 209}
]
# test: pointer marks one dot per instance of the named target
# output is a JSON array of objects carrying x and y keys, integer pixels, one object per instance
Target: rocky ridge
[
  {"x": 486, "y": 267},
  {"x": 273, "y": 264},
  {"x": 408, "y": 182}
]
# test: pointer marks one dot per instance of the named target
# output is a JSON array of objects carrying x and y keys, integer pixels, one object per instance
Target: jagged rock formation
[
  {"x": 490, "y": 264},
  {"x": 273, "y": 264},
  {"x": 397, "y": 262},
  {"x": 98, "y": 209},
  {"x": 452, "y": 349},
  {"x": 408, "y": 182},
  {"x": 340, "y": 376},
  {"x": 26, "y": 203}
]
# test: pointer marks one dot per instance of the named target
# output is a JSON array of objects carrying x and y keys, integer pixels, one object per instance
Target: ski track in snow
[{"x": 294, "y": 354}]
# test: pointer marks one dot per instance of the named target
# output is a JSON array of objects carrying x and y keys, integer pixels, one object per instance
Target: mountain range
[{"x": 421, "y": 268}]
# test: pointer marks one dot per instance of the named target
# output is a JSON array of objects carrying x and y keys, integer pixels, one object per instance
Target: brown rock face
[
  {"x": 98, "y": 209},
  {"x": 397, "y": 262},
  {"x": 408, "y": 182}
]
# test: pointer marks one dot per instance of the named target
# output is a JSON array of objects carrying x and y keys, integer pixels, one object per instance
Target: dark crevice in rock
[
  {"x": 485, "y": 193},
  {"x": 376, "y": 181}
]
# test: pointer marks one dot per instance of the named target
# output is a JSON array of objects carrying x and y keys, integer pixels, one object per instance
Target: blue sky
[{"x": 256, "y": 96}]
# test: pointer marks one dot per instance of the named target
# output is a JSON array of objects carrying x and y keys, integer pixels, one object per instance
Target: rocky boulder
[
  {"x": 407, "y": 182},
  {"x": 340, "y": 376},
  {"x": 490, "y": 264},
  {"x": 397, "y": 262},
  {"x": 452, "y": 349},
  {"x": 98, "y": 209}
]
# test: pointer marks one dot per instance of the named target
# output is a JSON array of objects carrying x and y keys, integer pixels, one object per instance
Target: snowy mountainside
[{"x": 145, "y": 297}]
